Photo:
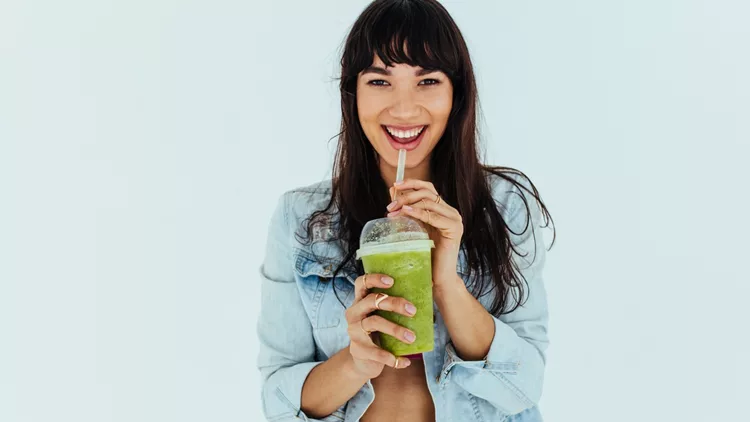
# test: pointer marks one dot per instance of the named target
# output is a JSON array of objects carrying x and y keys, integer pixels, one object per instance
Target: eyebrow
[{"x": 383, "y": 71}]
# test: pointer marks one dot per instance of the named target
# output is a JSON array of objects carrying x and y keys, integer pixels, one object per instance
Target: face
[{"x": 403, "y": 107}]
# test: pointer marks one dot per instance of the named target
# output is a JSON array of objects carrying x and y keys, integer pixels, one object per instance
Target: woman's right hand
[{"x": 368, "y": 358}]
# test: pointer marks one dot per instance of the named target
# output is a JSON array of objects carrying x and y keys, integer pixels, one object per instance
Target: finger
[
  {"x": 440, "y": 216},
  {"x": 398, "y": 193},
  {"x": 359, "y": 334},
  {"x": 419, "y": 199},
  {"x": 365, "y": 282},
  {"x": 430, "y": 216},
  {"x": 416, "y": 185},
  {"x": 376, "y": 354},
  {"x": 366, "y": 306},
  {"x": 377, "y": 323}
]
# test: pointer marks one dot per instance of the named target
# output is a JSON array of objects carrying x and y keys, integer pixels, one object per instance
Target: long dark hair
[{"x": 422, "y": 33}]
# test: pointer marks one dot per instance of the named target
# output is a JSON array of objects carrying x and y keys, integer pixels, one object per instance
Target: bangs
[{"x": 404, "y": 33}]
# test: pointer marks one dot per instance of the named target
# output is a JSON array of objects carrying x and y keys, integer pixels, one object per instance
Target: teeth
[{"x": 405, "y": 133}]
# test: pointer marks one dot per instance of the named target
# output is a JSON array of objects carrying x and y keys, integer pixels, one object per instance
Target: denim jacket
[{"x": 302, "y": 322}]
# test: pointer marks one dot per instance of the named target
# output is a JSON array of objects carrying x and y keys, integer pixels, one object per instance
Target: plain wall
[{"x": 143, "y": 145}]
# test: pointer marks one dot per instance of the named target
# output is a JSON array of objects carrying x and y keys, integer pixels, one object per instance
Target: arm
[
  {"x": 287, "y": 348},
  {"x": 331, "y": 384},
  {"x": 500, "y": 359}
]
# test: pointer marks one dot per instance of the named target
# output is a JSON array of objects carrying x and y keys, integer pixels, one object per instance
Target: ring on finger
[
  {"x": 429, "y": 216},
  {"x": 379, "y": 298},
  {"x": 395, "y": 365},
  {"x": 364, "y": 281},
  {"x": 437, "y": 200},
  {"x": 362, "y": 325}
]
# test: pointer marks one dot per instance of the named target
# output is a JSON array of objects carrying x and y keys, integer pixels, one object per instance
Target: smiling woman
[{"x": 407, "y": 82}]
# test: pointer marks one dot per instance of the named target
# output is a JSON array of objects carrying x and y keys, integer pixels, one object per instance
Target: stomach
[{"x": 401, "y": 395}]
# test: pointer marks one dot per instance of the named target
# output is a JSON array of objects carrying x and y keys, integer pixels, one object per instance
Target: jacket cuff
[{"x": 497, "y": 378}]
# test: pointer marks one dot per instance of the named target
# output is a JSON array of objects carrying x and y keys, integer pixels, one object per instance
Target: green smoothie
[{"x": 412, "y": 275}]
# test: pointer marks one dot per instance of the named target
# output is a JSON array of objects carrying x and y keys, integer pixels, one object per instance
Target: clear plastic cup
[{"x": 401, "y": 248}]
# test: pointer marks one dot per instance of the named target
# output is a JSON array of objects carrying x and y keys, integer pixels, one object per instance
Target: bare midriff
[{"x": 401, "y": 395}]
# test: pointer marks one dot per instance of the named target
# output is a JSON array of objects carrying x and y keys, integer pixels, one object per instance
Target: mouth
[{"x": 407, "y": 138}]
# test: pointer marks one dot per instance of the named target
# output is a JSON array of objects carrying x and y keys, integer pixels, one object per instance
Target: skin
[{"x": 405, "y": 96}]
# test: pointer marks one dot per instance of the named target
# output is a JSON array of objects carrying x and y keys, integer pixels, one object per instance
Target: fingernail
[
  {"x": 411, "y": 309},
  {"x": 391, "y": 205},
  {"x": 407, "y": 363},
  {"x": 409, "y": 336},
  {"x": 398, "y": 183},
  {"x": 408, "y": 208},
  {"x": 387, "y": 281},
  {"x": 391, "y": 214}
]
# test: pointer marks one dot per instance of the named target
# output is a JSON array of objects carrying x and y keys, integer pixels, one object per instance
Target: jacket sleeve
[
  {"x": 511, "y": 375},
  {"x": 287, "y": 348}
]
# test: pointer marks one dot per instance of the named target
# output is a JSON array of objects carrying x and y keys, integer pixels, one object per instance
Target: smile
[{"x": 407, "y": 138}]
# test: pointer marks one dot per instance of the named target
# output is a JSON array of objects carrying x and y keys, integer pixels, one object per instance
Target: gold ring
[
  {"x": 364, "y": 281},
  {"x": 362, "y": 326},
  {"x": 429, "y": 216},
  {"x": 437, "y": 200},
  {"x": 395, "y": 365},
  {"x": 380, "y": 297}
]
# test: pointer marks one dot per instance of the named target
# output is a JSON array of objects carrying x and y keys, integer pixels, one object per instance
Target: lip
[
  {"x": 411, "y": 146},
  {"x": 404, "y": 128}
]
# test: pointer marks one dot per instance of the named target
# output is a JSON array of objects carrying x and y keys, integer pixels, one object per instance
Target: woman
[{"x": 406, "y": 82}]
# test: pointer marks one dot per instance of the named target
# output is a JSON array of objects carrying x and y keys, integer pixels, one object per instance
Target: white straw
[{"x": 401, "y": 165}]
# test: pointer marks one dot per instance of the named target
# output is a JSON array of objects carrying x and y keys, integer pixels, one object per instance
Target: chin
[{"x": 413, "y": 158}]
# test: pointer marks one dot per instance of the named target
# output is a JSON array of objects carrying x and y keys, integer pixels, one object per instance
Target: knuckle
[{"x": 377, "y": 320}]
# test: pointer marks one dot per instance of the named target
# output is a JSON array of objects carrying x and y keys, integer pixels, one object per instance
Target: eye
[
  {"x": 429, "y": 82},
  {"x": 377, "y": 82}
]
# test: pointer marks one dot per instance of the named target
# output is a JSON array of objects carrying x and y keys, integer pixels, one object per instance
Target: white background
[{"x": 143, "y": 145}]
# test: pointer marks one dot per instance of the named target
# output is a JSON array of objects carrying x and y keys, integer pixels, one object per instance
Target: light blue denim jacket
[{"x": 302, "y": 323}]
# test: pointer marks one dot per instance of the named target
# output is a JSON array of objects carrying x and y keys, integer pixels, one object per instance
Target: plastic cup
[{"x": 401, "y": 248}]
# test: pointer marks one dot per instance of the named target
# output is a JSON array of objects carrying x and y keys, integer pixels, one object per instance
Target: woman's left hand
[{"x": 419, "y": 199}]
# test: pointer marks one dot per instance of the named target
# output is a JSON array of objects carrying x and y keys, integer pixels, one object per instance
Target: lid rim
[{"x": 404, "y": 246}]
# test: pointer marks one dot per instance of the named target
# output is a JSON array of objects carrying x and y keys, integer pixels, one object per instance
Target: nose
[{"x": 405, "y": 106}]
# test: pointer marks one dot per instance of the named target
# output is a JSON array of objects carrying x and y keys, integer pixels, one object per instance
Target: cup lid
[{"x": 393, "y": 234}]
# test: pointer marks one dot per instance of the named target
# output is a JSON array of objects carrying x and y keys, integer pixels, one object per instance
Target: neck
[{"x": 420, "y": 172}]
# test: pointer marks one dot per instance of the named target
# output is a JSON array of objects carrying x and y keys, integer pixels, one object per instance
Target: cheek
[
  {"x": 440, "y": 107},
  {"x": 366, "y": 109},
  {"x": 369, "y": 104}
]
